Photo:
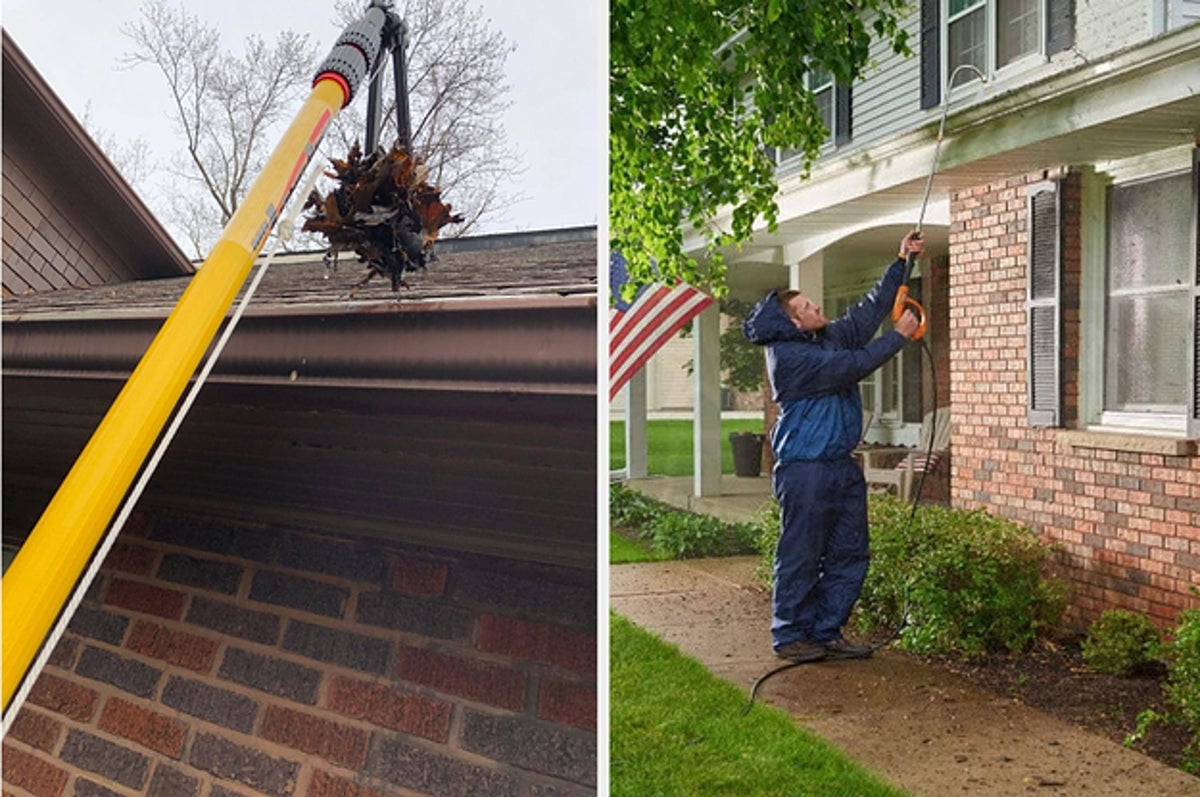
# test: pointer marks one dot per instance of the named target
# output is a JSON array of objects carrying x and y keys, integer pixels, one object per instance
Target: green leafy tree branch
[{"x": 698, "y": 90}]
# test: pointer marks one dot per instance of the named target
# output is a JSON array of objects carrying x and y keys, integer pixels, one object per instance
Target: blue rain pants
[{"x": 822, "y": 556}]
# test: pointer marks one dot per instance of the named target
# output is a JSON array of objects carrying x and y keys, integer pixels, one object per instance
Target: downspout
[{"x": 44, "y": 573}]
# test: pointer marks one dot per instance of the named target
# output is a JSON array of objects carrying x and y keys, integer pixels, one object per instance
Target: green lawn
[
  {"x": 670, "y": 444},
  {"x": 621, "y": 550},
  {"x": 677, "y": 730}
]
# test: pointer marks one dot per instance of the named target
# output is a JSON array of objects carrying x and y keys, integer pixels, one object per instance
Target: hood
[{"x": 768, "y": 323}]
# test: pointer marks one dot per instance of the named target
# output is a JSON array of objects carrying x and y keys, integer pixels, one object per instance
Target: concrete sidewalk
[{"x": 924, "y": 731}]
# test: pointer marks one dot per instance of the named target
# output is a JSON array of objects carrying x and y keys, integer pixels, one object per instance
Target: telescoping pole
[{"x": 41, "y": 578}]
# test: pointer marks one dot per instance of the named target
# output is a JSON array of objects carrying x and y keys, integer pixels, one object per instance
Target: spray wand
[{"x": 903, "y": 300}]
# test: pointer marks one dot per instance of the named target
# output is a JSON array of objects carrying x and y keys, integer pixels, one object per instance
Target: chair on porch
[{"x": 901, "y": 468}]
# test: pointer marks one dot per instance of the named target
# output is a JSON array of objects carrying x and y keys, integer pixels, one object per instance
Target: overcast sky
[{"x": 555, "y": 73}]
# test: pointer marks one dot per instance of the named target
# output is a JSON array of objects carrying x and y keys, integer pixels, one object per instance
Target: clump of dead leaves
[{"x": 382, "y": 210}]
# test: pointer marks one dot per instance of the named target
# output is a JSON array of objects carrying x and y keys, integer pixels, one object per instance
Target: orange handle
[{"x": 905, "y": 302}]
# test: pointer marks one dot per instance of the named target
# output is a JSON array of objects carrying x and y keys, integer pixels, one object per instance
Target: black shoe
[
  {"x": 841, "y": 649},
  {"x": 802, "y": 650}
]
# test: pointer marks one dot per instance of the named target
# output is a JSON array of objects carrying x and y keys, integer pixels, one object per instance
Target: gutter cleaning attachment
[{"x": 75, "y": 527}]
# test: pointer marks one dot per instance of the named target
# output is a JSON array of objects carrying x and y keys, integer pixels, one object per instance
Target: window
[
  {"x": 991, "y": 34},
  {"x": 833, "y": 106},
  {"x": 988, "y": 34},
  {"x": 1148, "y": 299}
]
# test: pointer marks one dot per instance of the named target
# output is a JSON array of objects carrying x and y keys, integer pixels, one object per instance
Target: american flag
[{"x": 639, "y": 328}]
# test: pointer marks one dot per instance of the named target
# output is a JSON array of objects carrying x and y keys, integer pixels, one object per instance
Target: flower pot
[{"x": 747, "y": 453}]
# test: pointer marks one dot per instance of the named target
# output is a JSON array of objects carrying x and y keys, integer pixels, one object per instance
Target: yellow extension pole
[{"x": 41, "y": 577}]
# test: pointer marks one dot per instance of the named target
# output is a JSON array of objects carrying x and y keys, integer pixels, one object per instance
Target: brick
[
  {"x": 109, "y": 760},
  {"x": 235, "y": 620},
  {"x": 35, "y": 729},
  {"x": 130, "y": 559},
  {"x": 210, "y": 703},
  {"x": 420, "y": 578},
  {"x": 531, "y": 745},
  {"x": 87, "y": 788},
  {"x": 299, "y": 593},
  {"x": 565, "y": 647},
  {"x": 127, "y": 674},
  {"x": 150, "y": 729},
  {"x": 259, "y": 771},
  {"x": 176, "y": 647},
  {"x": 402, "y": 613},
  {"x": 337, "y": 743},
  {"x": 533, "y": 595},
  {"x": 201, "y": 534},
  {"x": 356, "y": 651},
  {"x": 397, "y": 761},
  {"x": 170, "y": 782},
  {"x": 64, "y": 697},
  {"x": 474, "y": 680},
  {"x": 201, "y": 573},
  {"x": 64, "y": 652},
  {"x": 99, "y": 624},
  {"x": 568, "y": 703},
  {"x": 275, "y": 676},
  {"x": 145, "y": 598},
  {"x": 390, "y": 707},
  {"x": 318, "y": 555},
  {"x": 323, "y": 784},
  {"x": 31, "y": 773}
]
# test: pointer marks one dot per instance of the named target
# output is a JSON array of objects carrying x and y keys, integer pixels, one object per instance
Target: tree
[
  {"x": 457, "y": 98},
  {"x": 698, "y": 90},
  {"x": 226, "y": 107},
  {"x": 230, "y": 108}
]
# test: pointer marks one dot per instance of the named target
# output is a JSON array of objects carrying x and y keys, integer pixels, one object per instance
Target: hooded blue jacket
[{"x": 814, "y": 374}]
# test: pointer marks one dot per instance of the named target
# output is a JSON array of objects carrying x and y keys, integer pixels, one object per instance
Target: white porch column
[
  {"x": 636, "y": 449},
  {"x": 808, "y": 277},
  {"x": 706, "y": 381}
]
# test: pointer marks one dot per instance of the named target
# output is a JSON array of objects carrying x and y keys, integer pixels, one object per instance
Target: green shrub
[
  {"x": 1120, "y": 642},
  {"x": 629, "y": 509},
  {"x": 960, "y": 582},
  {"x": 674, "y": 532},
  {"x": 1182, "y": 688}
]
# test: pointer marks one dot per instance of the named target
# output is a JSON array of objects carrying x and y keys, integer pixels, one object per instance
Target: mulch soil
[{"x": 1052, "y": 677}]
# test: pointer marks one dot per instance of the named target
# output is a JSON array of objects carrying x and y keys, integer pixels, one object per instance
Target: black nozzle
[{"x": 357, "y": 50}]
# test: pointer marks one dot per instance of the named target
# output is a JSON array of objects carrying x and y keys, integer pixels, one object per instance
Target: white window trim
[
  {"x": 1094, "y": 300},
  {"x": 995, "y": 74},
  {"x": 829, "y": 145}
]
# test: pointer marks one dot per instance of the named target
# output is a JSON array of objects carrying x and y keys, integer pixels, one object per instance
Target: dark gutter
[{"x": 521, "y": 344}]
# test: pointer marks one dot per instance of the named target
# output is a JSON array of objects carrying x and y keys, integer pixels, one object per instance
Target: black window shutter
[
  {"x": 1193, "y": 424},
  {"x": 931, "y": 53},
  {"x": 841, "y": 105},
  {"x": 1044, "y": 376},
  {"x": 1060, "y": 25}
]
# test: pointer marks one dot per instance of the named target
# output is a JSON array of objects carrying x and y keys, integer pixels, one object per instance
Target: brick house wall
[
  {"x": 1125, "y": 524},
  {"x": 218, "y": 660}
]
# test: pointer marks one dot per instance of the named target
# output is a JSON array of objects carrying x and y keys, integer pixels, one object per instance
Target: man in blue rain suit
[{"x": 814, "y": 365}]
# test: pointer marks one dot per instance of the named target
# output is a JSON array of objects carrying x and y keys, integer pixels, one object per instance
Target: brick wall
[
  {"x": 1127, "y": 524},
  {"x": 212, "y": 660}
]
